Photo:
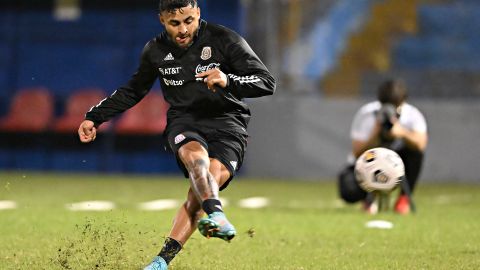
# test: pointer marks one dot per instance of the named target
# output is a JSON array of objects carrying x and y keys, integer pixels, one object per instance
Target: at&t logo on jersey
[{"x": 170, "y": 71}]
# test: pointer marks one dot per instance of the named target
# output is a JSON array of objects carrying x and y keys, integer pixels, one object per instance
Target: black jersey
[{"x": 190, "y": 100}]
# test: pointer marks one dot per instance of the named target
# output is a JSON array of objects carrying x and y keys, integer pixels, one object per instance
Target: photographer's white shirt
[{"x": 364, "y": 120}]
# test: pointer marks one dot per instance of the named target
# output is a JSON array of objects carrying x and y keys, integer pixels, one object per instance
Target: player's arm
[
  {"x": 252, "y": 78},
  {"x": 126, "y": 96},
  {"x": 249, "y": 77}
]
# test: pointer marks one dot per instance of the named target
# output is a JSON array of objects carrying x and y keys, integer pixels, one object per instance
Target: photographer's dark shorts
[{"x": 226, "y": 146}]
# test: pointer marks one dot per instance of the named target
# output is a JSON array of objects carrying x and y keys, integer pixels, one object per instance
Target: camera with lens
[{"x": 385, "y": 115}]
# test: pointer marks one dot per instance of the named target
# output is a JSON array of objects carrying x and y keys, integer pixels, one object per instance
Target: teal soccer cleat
[
  {"x": 158, "y": 263},
  {"x": 217, "y": 225}
]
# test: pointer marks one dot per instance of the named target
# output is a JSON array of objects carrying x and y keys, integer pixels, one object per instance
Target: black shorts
[{"x": 225, "y": 145}]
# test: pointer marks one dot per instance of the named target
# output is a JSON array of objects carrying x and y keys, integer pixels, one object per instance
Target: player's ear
[
  {"x": 161, "y": 18},
  {"x": 198, "y": 12}
]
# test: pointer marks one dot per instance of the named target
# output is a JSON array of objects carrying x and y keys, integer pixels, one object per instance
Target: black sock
[
  {"x": 170, "y": 248},
  {"x": 211, "y": 205}
]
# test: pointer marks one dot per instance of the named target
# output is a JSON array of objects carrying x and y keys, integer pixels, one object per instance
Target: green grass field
[{"x": 304, "y": 227}]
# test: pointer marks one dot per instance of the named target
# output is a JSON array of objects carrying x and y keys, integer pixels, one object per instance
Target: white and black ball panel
[{"x": 379, "y": 169}]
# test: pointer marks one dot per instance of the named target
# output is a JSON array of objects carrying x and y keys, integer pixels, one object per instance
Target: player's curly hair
[
  {"x": 172, "y": 5},
  {"x": 393, "y": 92}
]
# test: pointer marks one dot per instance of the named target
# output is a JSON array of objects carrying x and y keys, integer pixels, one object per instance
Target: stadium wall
[{"x": 305, "y": 137}]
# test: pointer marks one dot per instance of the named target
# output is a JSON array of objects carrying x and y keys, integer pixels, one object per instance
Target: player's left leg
[
  {"x": 186, "y": 219},
  {"x": 158, "y": 263},
  {"x": 184, "y": 224}
]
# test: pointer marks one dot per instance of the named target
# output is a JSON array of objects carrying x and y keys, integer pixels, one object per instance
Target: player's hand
[
  {"x": 213, "y": 77},
  {"x": 87, "y": 131}
]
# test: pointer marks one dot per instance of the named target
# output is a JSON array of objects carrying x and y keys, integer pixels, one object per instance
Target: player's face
[{"x": 181, "y": 25}]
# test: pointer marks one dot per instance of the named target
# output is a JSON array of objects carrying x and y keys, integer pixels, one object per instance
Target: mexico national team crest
[{"x": 206, "y": 53}]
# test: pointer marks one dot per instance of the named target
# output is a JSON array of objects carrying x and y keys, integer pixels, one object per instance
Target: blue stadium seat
[
  {"x": 7, "y": 23},
  {"x": 150, "y": 162},
  {"x": 104, "y": 26},
  {"x": 232, "y": 13},
  {"x": 5, "y": 73},
  {"x": 5, "y": 155},
  {"x": 36, "y": 158},
  {"x": 71, "y": 161},
  {"x": 437, "y": 53},
  {"x": 463, "y": 20},
  {"x": 146, "y": 25},
  {"x": 64, "y": 67},
  {"x": 443, "y": 44}
]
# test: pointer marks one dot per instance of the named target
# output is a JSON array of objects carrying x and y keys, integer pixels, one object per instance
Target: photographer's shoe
[{"x": 402, "y": 206}]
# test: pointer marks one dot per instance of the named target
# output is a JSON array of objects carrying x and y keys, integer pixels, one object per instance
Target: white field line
[
  {"x": 335, "y": 204},
  {"x": 168, "y": 204},
  {"x": 379, "y": 224},
  {"x": 224, "y": 201},
  {"x": 6, "y": 205},
  {"x": 254, "y": 202},
  {"x": 158, "y": 205},
  {"x": 91, "y": 206},
  {"x": 443, "y": 199}
]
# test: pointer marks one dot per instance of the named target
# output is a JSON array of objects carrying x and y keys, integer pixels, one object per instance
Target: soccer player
[
  {"x": 392, "y": 123},
  {"x": 205, "y": 71}
]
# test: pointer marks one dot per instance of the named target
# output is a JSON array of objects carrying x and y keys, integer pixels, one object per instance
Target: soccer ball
[{"x": 379, "y": 169}]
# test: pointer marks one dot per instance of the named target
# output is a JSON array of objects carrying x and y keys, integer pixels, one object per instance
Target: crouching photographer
[{"x": 392, "y": 123}]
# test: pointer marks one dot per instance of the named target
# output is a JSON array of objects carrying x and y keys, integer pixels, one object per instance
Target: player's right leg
[
  {"x": 217, "y": 224},
  {"x": 206, "y": 187},
  {"x": 184, "y": 224}
]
